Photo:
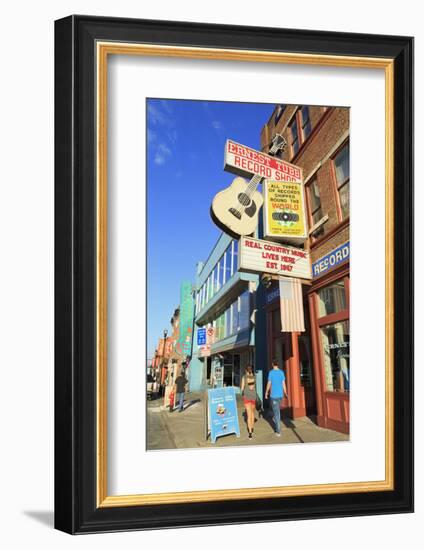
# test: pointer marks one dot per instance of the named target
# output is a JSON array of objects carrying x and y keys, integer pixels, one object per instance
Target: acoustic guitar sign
[{"x": 235, "y": 209}]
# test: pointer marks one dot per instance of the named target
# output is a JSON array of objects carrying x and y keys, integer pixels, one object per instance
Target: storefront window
[
  {"x": 227, "y": 264},
  {"x": 305, "y": 361},
  {"x": 332, "y": 299},
  {"x": 341, "y": 165},
  {"x": 335, "y": 342},
  {"x": 244, "y": 315},
  {"x": 235, "y": 316},
  {"x": 306, "y": 123},
  {"x": 228, "y": 370},
  {"x": 215, "y": 278},
  {"x": 236, "y": 370},
  {"x": 208, "y": 280},
  {"x": 228, "y": 325},
  {"x": 211, "y": 286},
  {"x": 221, "y": 272},
  {"x": 235, "y": 257}
]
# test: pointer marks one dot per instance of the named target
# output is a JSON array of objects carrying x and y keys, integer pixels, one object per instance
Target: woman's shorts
[{"x": 249, "y": 401}]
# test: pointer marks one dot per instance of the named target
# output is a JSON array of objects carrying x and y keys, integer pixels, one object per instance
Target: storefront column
[
  {"x": 316, "y": 362},
  {"x": 295, "y": 391}
]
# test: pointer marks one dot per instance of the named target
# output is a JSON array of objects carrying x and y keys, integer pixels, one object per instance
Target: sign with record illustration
[{"x": 284, "y": 211}]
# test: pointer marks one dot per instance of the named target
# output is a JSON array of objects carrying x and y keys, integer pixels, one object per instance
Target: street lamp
[{"x": 165, "y": 334}]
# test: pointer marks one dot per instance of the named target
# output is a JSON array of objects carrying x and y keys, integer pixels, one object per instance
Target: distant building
[{"x": 225, "y": 302}]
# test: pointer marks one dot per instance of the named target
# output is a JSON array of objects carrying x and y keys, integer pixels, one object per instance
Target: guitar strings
[{"x": 252, "y": 185}]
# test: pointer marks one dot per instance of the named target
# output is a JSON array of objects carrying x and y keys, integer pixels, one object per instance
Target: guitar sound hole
[{"x": 243, "y": 199}]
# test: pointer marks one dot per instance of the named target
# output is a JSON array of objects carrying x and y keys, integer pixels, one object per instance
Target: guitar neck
[
  {"x": 253, "y": 183},
  {"x": 256, "y": 178}
]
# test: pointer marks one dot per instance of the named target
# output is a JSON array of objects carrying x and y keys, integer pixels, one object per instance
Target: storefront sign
[
  {"x": 218, "y": 374},
  {"x": 284, "y": 211},
  {"x": 273, "y": 295},
  {"x": 210, "y": 335},
  {"x": 161, "y": 347},
  {"x": 334, "y": 258},
  {"x": 257, "y": 256},
  {"x": 205, "y": 350},
  {"x": 244, "y": 161},
  {"x": 168, "y": 346},
  {"x": 186, "y": 319},
  {"x": 201, "y": 336},
  {"x": 222, "y": 409}
]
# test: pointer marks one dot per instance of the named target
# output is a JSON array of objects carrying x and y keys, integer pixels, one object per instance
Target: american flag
[{"x": 291, "y": 305}]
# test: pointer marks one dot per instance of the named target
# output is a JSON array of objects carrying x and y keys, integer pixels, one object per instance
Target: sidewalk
[{"x": 186, "y": 430}]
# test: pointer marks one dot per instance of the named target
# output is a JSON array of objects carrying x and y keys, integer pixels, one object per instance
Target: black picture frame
[{"x": 76, "y": 508}]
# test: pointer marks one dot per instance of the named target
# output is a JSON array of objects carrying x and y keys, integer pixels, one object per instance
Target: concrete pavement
[{"x": 186, "y": 430}]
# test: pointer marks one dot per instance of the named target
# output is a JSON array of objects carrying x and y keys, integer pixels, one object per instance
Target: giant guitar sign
[{"x": 235, "y": 210}]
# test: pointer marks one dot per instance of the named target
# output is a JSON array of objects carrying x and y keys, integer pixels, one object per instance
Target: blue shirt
[{"x": 276, "y": 377}]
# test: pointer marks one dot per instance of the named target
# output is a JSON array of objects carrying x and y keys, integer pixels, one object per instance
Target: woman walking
[{"x": 248, "y": 390}]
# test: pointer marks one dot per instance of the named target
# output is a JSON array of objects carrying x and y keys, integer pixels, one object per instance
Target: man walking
[
  {"x": 180, "y": 385},
  {"x": 276, "y": 386}
]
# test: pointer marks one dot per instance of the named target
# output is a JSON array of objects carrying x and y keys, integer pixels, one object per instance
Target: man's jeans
[
  {"x": 275, "y": 404},
  {"x": 180, "y": 400}
]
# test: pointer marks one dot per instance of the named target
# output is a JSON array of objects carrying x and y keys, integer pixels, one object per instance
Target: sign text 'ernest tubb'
[{"x": 244, "y": 161}]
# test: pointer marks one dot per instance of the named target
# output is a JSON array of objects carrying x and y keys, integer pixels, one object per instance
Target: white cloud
[
  {"x": 164, "y": 136},
  {"x": 151, "y": 136},
  {"x": 162, "y": 154}
]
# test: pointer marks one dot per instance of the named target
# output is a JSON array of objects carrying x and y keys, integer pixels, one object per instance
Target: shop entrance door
[
  {"x": 232, "y": 369},
  {"x": 280, "y": 355},
  {"x": 306, "y": 374}
]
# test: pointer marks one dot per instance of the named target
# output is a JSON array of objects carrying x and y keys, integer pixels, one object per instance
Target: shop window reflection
[
  {"x": 335, "y": 343},
  {"x": 305, "y": 361},
  {"x": 332, "y": 299}
]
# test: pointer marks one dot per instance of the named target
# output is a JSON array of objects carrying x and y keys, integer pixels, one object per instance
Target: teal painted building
[{"x": 225, "y": 300}]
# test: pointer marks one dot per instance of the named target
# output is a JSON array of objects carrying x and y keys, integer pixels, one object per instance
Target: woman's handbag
[{"x": 259, "y": 405}]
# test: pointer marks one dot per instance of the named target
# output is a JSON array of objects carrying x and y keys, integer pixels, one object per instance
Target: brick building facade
[{"x": 317, "y": 361}]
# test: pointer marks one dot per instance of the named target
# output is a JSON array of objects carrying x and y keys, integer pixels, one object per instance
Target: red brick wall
[{"x": 328, "y": 127}]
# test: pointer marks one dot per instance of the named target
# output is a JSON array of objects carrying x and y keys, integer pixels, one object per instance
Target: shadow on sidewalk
[
  {"x": 286, "y": 421},
  {"x": 190, "y": 403}
]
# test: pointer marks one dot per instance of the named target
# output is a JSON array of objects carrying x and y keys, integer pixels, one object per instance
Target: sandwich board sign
[{"x": 222, "y": 412}]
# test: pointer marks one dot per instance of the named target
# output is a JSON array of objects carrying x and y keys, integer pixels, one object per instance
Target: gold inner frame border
[{"x": 103, "y": 50}]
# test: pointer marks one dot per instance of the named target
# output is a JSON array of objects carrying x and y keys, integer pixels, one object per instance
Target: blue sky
[{"x": 185, "y": 158}]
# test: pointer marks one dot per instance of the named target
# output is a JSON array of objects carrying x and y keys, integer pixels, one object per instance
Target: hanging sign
[
  {"x": 257, "y": 256},
  {"x": 222, "y": 409},
  {"x": 184, "y": 343},
  {"x": 284, "y": 213},
  {"x": 246, "y": 162},
  {"x": 201, "y": 336},
  {"x": 210, "y": 335},
  {"x": 205, "y": 350}
]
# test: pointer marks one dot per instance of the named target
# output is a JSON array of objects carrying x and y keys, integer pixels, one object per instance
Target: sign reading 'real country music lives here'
[
  {"x": 257, "y": 256},
  {"x": 245, "y": 162}
]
